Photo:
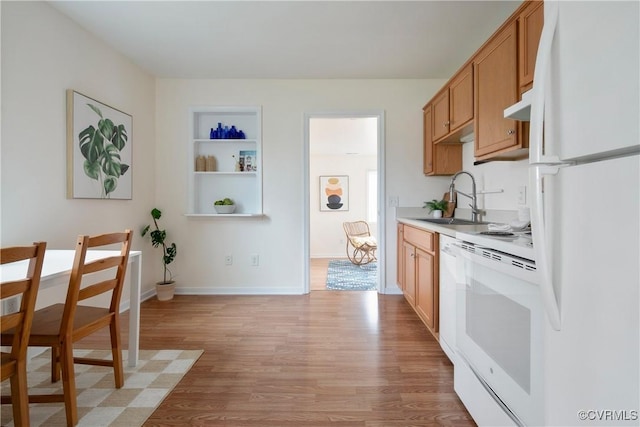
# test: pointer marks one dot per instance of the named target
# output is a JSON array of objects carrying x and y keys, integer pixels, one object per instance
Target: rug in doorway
[
  {"x": 343, "y": 275},
  {"x": 99, "y": 402}
]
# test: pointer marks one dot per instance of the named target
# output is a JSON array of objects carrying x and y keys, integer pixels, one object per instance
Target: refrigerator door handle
[
  {"x": 538, "y": 229},
  {"x": 542, "y": 164},
  {"x": 542, "y": 73}
]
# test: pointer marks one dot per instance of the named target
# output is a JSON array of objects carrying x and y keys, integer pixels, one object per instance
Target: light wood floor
[
  {"x": 318, "y": 273},
  {"x": 322, "y": 359}
]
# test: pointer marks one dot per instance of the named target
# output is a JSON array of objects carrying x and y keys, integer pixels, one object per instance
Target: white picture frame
[
  {"x": 99, "y": 150},
  {"x": 334, "y": 193}
]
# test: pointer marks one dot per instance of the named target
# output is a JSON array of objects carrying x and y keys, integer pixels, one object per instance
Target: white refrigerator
[{"x": 585, "y": 184}]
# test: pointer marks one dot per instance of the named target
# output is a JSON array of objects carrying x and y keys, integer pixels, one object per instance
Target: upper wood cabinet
[
  {"x": 453, "y": 108},
  {"x": 496, "y": 87},
  {"x": 530, "y": 22},
  {"x": 428, "y": 148},
  {"x": 476, "y": 96},
  {"x": 440, "y": 123},
  {"x": 439, "y": 159}
]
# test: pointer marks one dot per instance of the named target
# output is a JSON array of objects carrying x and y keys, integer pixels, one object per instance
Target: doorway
[{"x": 348, "y": 149}]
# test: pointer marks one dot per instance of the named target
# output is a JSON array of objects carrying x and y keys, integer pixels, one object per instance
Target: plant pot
[
  {"x": 225, "y": 209},
  {"x": 165, "y": 291},
  {"x": 437, "y": 214}
]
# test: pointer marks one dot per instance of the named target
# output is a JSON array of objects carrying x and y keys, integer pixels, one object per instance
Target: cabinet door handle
[
  {"x": 445, "y": 124},
  {"x": 511, "y": 131}
]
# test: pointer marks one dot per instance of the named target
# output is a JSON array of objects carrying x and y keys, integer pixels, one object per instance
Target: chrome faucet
[{"x": 472, "y": 196}]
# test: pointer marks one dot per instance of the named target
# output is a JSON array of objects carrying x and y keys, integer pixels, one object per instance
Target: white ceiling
[
  {"x": 296, "y": 40},
  {"x": 293, "y": 39}
]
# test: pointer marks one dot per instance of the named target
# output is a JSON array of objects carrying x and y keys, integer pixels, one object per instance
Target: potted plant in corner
[
  {"x": 166, "y": 288},
  {"x": 437, "y": 207}
]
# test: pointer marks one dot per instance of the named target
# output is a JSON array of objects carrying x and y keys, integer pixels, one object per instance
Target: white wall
[
  {"x": 491, "y": 176},
  {"x": 327, "y": 238},
  {"x": 278, "y": 238},
  {"x": 44, "y": 54}
]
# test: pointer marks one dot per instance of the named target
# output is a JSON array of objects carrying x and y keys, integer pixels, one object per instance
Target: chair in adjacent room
[
  {"x": 361, "y": 245},
  {"x": 14, "y": 363},
  {"x": 59, "y": 326}
]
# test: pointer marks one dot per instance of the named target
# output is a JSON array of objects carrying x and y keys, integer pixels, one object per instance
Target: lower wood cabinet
[
  {"x": 427, "y": 289},
  {"x": 418, "y": 272},
  {"x": 409, "y": 257}
]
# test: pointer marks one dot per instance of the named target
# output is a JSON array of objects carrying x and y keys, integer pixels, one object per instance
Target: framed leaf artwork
[{"x": 99, "y": 154}]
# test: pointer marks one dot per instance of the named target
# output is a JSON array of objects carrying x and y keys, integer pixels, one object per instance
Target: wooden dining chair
[
  {"x": 60, "y": 325},
  {"x": 361, "y": 245},
  {"x": 14, "y": 363}
]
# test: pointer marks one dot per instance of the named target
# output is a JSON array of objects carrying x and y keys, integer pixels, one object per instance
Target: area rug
[
  {"x": 99, "y": 402},
  {"x": 343, "y": 275}
]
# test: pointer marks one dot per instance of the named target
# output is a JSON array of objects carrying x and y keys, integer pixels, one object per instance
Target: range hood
[{"x": 521, "y": 110}]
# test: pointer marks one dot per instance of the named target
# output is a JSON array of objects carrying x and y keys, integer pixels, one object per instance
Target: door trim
[{"x": 306, "y": 245}]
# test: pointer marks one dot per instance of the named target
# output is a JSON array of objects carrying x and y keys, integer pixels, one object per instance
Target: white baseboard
[
  {"x": 238, "y": 291},
  {"x": 343, "y": 255},
  {"x": 394, "y": 290}
]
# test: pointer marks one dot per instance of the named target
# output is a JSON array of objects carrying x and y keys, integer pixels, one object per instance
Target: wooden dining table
[{"x": 56, "y": 270}]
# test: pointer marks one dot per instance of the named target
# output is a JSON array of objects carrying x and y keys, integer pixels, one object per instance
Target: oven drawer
[{"x": 419, "y": 238}]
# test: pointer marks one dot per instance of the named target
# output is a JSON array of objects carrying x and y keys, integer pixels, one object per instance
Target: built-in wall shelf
[
  {"x": 232, "y": 166},
  {"x": 225, "y": 173}
]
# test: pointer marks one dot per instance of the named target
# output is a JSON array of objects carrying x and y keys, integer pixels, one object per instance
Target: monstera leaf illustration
[{"x": 101, "y": 149}]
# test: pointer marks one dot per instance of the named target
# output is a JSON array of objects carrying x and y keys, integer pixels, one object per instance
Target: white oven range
[{"x": 499, "y": 330}]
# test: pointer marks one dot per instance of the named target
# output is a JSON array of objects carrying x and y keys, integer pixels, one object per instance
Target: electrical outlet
[
  {"x": 394, "y": 201},
  {"x": 522, "y": 195},
  {"x": 255, "y": 260},
  {"x": 228, "y": 260}
]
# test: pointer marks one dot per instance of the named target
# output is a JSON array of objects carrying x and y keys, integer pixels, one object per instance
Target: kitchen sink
[{"x": 452, "y": 221}]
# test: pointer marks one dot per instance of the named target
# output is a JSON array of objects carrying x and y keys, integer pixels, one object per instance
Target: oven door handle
[{"x": 520, "y": 272}]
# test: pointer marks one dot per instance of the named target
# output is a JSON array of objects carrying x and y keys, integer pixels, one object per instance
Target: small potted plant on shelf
[
  {"x": 166, "y": 288},
  {"x": 224, "y": 206},
  {"x": 437, "y": 207}
]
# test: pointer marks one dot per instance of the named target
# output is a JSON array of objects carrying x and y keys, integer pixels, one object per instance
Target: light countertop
[
  {"x": 519, "y": 245},
  {"x": 446, "y": 229},
  {"x": 412, "y": 216}
]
